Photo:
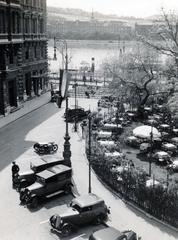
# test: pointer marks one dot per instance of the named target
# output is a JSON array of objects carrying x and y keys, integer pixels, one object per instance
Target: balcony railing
[
  {"x": 3, "y": 37},
  {"x": 17, "y": 36}
]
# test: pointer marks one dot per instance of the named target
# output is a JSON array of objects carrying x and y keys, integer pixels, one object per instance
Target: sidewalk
[{"x": 26, "y": 107}]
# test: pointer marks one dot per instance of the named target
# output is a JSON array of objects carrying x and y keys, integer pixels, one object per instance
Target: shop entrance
[{"x": 12, "y": 93}]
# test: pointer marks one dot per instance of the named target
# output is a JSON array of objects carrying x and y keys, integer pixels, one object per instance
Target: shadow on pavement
[{"x": 12, "y": 136}]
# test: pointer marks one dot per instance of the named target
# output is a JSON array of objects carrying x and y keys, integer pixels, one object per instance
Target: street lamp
[
  {"x": 67, "y": 152},
  {"x": 63, "y": 94},
  {"x": 89, "y": 153},
  {"x": 151, "y": 149},
  {"x": 55, "y": 57},
  {"x": 75, "y": 87}
]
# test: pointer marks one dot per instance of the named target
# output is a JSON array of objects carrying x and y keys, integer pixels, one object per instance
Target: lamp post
[
  {"x": 89, "y": 153},
  {"x": 67, "y": 152},
  {"x": 75, "y": 87},
  {"x": 55, "y": 57},
  {"x": 151, "y": 150}
]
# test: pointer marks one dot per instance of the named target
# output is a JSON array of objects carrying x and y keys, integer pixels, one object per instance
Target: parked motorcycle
[{"x": 45, "y": 148}]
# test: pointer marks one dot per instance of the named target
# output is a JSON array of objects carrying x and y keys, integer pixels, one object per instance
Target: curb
[{"x": 20, "y": 116}]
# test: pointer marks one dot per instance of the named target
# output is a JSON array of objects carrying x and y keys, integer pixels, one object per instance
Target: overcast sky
[{"x": 137, "y": 8}]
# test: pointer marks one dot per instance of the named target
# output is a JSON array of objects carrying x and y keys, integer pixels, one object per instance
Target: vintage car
[
  {"x": 173, "y": 167},
  {"x": 162, "y": 157},
  {"x": 133, "y": 141},
  {"x": 48, "y": 183},
  {"x": 170, "y": 148},
  {"x": 82, "y": 210},
  {"x": 113, "y": 234},
  {"x": 77, "y": 113},
  {"x": 26, "y": 178}
]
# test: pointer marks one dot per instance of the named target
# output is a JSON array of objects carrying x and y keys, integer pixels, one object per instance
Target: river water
[{"x": 84, "y": 50}]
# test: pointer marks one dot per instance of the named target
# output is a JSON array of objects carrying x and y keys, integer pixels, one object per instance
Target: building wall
[{"x": 23, "y": 50}]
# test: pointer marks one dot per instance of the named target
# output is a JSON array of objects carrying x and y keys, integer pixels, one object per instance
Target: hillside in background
[{"x": 78, "y": 14}]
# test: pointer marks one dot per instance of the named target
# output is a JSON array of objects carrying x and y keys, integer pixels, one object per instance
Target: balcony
[
  {"x": 3, "y": 38},
  {"x": 17, "y": 37}
]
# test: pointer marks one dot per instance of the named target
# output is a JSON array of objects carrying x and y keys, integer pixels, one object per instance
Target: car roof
[
  {"x": 87, "y": 200},
  {"x": 48, "y": 173},
  {"x": 45, "y": 162},
  {"x": 108, "y": 233}
]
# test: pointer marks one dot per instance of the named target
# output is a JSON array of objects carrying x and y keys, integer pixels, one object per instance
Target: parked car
[
  {"x": 48, "y": 183},
  {"x": 82, "y": 210},
  {"x": 162, "y": 157},
  {"x": 173, "y": 167},
  {"x": 26, "y": 178},
  {"x": 133, "y": 141},
  {"x": 111, "y": 233},
  {"x": 170, "y": 148},
  {"x": 78, "y": 113}
]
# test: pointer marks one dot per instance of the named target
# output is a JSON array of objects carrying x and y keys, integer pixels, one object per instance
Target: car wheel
[
  {"x": 66, "y": 230},
  {"x": 34, "y": 202},
  {"x": 100, "y": 219},
  {"x": 55, "y": 147}
]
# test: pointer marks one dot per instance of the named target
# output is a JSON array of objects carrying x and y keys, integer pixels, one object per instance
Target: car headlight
[{"x": 55, "y": 221}]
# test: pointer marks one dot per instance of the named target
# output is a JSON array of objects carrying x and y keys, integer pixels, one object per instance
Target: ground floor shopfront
[{"x": 20, "y": 80}]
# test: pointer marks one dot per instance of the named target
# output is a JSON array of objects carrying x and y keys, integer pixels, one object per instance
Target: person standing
[{"x": 15, "y": 169}]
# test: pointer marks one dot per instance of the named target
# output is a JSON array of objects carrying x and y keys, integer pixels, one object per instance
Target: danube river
[{"x": 84, "y": 50}]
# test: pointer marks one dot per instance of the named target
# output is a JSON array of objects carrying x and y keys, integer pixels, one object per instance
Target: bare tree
[
  {"x": 133, "y": 76},
  {"x": 166, "y": 28},
  {"x": 167, "y": 31}
]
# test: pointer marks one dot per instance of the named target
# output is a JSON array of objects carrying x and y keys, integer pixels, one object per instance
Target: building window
[
  {"x": 41, "y": 25},
  {"x": 26, "y": 25},
  {"x": 42, "y": 52},
  {"x": 27, "y": 53},
  {"x": 34, "y": 25},
  {"x": 35, "y": 52},
  {"x": 11, "y": 56},
  {"x": 2, "y": 21}
]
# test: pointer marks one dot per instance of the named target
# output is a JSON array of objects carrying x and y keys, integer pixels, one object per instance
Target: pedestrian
[
  {"x": 15, "y": 169},
  {"x": 82, "y": 126}
]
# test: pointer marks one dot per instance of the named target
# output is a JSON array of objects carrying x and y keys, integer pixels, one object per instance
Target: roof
[
  {"x": 161, "y": 153},
  {"x": 53, "y": 171},
  {"x": 36, "y": 161},
  {"x": 87, "y": 200},
  {"x": 169, "y": 145},
  {"x": 108, "y": 233}
]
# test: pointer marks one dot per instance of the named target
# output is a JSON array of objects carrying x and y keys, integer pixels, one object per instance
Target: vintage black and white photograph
[{"x": 88, "y": 120}]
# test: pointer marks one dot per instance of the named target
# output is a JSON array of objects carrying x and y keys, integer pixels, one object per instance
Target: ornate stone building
[{"x": 23, "y": 51}]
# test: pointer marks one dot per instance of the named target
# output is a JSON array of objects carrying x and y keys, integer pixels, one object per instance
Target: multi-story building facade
[
  {"x": 67, "y": 28},
  {"x": 23, "y": 51}
]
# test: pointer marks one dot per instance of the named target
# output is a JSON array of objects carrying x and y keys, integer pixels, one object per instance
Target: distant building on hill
[{"x": 88, "y": 29}]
